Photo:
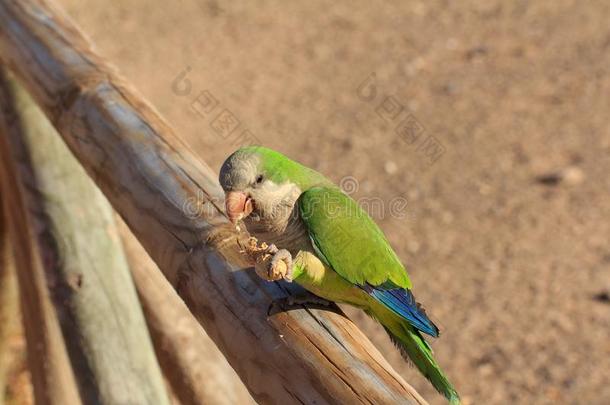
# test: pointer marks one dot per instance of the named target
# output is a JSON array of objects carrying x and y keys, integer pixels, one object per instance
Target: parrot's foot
[
  {"x": 297, "y": 301},
  {"x": 278, "y": 268},
  {"x": 270, "y": 263},
  {"x": 305, "y": 299}
]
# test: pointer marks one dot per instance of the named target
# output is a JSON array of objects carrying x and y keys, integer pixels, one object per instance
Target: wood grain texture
[
  {"x": 195, "y": 368},
  {"x": 9, "y": 307},
  {"x": 52, "y": 377},
  {"x": 172, "y": 203},
  {"x": 99, "y": 311}
]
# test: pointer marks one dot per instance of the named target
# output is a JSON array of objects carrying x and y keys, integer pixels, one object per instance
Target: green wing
[{"x": 349, "y": 241}]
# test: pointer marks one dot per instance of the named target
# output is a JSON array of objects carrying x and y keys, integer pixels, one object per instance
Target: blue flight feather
[{"x": 403, "y": 303}]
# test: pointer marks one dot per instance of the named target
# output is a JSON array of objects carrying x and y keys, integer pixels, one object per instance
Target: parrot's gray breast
[{"x": 283, "y": 226}]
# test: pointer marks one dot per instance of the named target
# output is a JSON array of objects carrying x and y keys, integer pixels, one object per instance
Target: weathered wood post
[
  {"x": 100, "y": 315},
  {"x": 9, "y": 304},
  {"x": 52, "y": 376},
  {"x": 195, "y": 368},
  {"x": 307, "y": 355}
]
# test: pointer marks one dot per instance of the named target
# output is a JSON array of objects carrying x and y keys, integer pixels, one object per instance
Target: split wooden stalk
[{"x": 173, "y": 204}]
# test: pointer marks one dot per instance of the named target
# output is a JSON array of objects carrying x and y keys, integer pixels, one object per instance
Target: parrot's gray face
[{"x": 250, "y": 193}]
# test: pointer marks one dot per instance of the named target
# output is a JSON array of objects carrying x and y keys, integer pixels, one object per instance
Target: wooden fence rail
[
  {"x": 9, "y": 305},
  {"x": 101, "y": 319},
  {"x": 52, "y": 377},
  {"x": 196, "y": 369},
  {"x": 307, "y": 355}
]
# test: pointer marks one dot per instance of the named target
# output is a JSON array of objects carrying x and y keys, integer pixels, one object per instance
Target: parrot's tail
[{"x": 413, "y": 347}]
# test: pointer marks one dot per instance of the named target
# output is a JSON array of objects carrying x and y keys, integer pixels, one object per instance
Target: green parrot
[{"x": 330, "y": 246}]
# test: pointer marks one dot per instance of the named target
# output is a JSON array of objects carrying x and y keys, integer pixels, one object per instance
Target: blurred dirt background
[{"x": 505, "y": 235}]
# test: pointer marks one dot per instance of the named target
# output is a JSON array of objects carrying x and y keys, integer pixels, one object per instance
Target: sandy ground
[{"x": 489, "y": 119}]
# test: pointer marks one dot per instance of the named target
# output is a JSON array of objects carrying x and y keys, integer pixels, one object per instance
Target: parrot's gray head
[{"x": 251, "y": 190}]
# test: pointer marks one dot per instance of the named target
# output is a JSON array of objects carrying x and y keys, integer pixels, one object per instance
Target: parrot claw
[
  {"x": 292, "y": 302},
  {"x": 278, "y": 268},
  {"x": 308, "y": 299}
]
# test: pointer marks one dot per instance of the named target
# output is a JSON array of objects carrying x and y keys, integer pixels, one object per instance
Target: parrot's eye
[{"x": 259, "y": 179}]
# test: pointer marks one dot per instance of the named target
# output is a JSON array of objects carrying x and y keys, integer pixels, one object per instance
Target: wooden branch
[
  {"x": 9, "y": 306},
  {"x": 48, "y": 362},
  {"x": 195, "y": 368},
  {"x": 99, "y": 311},
  {"x": 307, "y": 355}
]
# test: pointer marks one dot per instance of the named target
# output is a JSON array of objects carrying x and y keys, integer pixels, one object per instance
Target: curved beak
[{"x": 237, "y": 205}]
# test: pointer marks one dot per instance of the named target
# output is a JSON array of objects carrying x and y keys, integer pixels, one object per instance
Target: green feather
[
  {"x": 413, "y": 347},
  {"x": 280, "y": 169},
  {"x": 349, "y": 240}
]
